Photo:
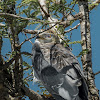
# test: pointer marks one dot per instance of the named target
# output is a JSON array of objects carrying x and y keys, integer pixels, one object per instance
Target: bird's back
[{"x": 61, "y": 73}]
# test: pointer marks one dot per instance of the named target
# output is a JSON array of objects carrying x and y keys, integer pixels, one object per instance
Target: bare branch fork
[
  {"x": 36, "y": 31},
  {"x": 27, "y": 38},
  {"x": 6, "y": 65}
]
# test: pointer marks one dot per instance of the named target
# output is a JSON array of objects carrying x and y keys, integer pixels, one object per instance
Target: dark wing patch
[
  {"x": 66, "y": 63},
  {"x": 52, "y": 78},
  {"x": 61, "y": 57}
]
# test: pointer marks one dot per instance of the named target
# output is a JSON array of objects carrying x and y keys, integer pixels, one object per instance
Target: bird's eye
[{"x": 49, "y": 36}]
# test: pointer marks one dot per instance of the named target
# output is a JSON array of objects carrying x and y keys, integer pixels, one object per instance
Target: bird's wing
[
  {"x": 62, "y": 77},
  {"x": 66, "y": 63},
  {"x": 58, "y": 84},
  {"x": 46, "y": 73},
  {"x": 38, "y": 60},
  {"x": 51, "y": 77},
  {"x": 61, "y": 57}
]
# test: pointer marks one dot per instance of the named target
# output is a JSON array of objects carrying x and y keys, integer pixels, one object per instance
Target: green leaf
[
  {"x": 74, "y": 2},
  {"x": 26, "y": 64},
  {"x": 83, "y": 52},
  {"x": 75, "y": 42},
  {"x": 95, "y": 4}
]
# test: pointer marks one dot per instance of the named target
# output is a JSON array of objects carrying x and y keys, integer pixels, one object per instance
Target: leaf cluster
[{"x": 31, "y": 8}]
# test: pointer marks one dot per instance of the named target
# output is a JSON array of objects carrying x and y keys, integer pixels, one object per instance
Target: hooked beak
[{"x": 39, "y": 37}]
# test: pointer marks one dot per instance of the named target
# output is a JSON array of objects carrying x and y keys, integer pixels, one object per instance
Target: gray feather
[{"x": 59, "y": 71}]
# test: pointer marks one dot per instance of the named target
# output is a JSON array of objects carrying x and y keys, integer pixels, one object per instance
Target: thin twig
[
  {"x": 28, "y": 76},
  {"x": 97, "y": 73},
  {"x": 94, "y": 4},
  {"x": 36, "y": 35},
  {"x": 16, "y": 16},
  {"x": 75, "y": 27},
  {"x": 26, "y": 53},
  {"x": 27, "y": 38},
  {"x": 30, "y": 31}
]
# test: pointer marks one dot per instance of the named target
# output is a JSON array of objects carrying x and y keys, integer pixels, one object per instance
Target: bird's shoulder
[
  {"x": 62, "y": 56},
  {"x": 62, "y": 59}
]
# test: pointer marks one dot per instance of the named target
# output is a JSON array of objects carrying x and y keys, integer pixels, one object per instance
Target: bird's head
[{"x": 47, "y": 38}]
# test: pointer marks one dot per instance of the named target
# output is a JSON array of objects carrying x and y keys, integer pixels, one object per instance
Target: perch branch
[{"x": 32, "y": 94}]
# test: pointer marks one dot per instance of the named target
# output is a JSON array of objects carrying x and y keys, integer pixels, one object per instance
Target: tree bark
[
  {"x": 31, "y": 94},
  {"x": 86, "y": 45},
  {"x": 2, "y": 88},
  {"x": 15, "y": 67}
]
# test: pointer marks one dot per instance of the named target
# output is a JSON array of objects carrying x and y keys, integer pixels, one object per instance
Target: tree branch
[
  {"x": 2, "y": 25},
  {"x": 32, "y": 94},
  {"x": 26, "y": 53},
  {"x": 97, "y": 73},
  {"x": 75, "y": 27},
  {"x": 6, "y": 65},
  {"x": 16, "y": 16},
  {"x": 44, "y": 11},
  {"x": 70, "y": 18},
  {"x": 30, "y": 31},
  {"x": 86, "y": 59},
  {"x": 66, "y": 23},
  {"x": 94, "y": 4}
]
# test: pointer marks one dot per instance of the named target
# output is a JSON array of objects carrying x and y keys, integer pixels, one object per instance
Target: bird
[{"x": 58, "y": 69}]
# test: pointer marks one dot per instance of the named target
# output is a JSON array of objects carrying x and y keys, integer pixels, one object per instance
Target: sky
[
  {"x": 95, "y": 38},
  {"x": 95, "y": 42}
]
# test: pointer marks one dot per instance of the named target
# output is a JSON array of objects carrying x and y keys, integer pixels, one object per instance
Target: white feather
[
  {"x": 35, "y": 77},
  {"x": 64, "y": 93}
]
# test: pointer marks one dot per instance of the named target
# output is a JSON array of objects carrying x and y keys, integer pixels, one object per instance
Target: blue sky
[
  {"x": 95, "y": 41},
  {"x": 95, "y": 38}
]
